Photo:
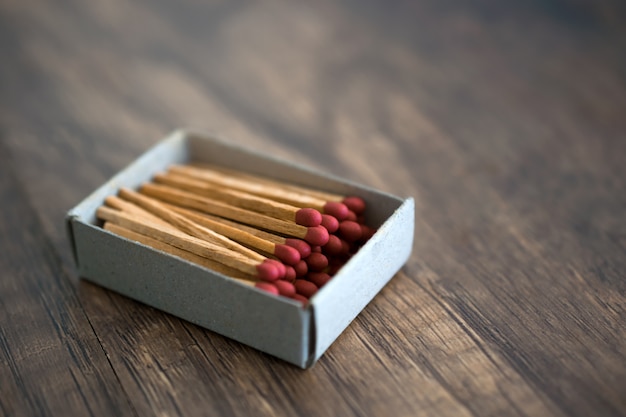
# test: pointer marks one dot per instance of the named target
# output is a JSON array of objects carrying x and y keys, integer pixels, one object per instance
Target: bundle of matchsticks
[{"x": 284, "y": 239}]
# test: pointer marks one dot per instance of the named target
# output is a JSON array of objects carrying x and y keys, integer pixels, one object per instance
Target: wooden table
[{"x": 505, "y": 120}]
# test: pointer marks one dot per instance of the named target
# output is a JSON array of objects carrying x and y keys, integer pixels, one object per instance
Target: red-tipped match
[
  {"x": 308, "y": 217},
  {"x": 287, "y": 254},
  {"x": 301, "y": 268},
  {"x": 316, "y": 261},
  {"x": 317, "y": 249},
  {"x": 367, "y": 232},
  {"x": 318, "y": 278},
  {"x": 333, "y": 247},
  {"x": 266, "y": 286},
  {"x": 351, "y": 216},
  {"x": 351, "y": 231},
  {"x": 356, "y": 204},
  {"x": 300, "y": 298},
  {"x": 299, "y": 245},
  {"x": 279, "y": 266},
  {"x": 267, "y": 271},
  {"x": 290, "y": 274},
  {"x": 305, "y": 288},
  {"x": 337, "y": 210},
  {"x": 285, "y": 288},
  {"x": 330, "y": 223},
  {"x": 317, "y": 236}
]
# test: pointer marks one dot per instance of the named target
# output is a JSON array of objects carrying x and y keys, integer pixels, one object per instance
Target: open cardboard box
[{"x": 276, "y": 325}]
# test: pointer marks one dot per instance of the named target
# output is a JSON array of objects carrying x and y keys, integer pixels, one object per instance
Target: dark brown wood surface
[{"x": 505, "y": 120}]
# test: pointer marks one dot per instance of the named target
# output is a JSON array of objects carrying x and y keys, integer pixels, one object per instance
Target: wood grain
[
  {"x": 51, "y": 361},
  {"x": 505, "y": 120}
]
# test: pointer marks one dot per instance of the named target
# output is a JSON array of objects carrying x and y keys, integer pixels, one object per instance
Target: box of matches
[{"x": 267, "y": 252}]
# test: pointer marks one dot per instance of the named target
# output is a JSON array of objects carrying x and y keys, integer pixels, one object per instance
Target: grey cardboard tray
[{"x": 275, "y": 325}]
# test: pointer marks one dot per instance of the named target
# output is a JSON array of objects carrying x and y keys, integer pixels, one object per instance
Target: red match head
[
  {"x": 308, "y": 217},
  {"x": 287, "y": 254},
  {"x": 266, "y": 286},
  {"x": 301, "y": 268},
  {"x": 305, "y": 288},
  {"x": 268, "y": 271},
  {"x": 318, "y": 278},
  {"x": 316, "y": 261},
  {"x": 317, "y": 236},
  {"x": 356, "y": 204},
  {"x": 367, "y": 232},
  {"x": 285, "y": 288},
  {"x": 303, "y": 300},
  {"x": 282, "y": 270},
  {"x": 337, "y": 210},
  {"x": 290, "y": 273},
  {"x": 330, "y": 223},
  {"x": 333, "y": 247},
  {"x": 350, "y": 230},
  {"x": 299, "y": 245}
]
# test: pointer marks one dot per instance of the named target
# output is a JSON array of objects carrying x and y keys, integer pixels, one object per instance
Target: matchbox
[{"x": 273, "y": 324}]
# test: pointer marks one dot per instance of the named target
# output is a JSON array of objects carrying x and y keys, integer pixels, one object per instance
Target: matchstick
[
  {"x": 318, "y": 278},
  {"x": 356, "y": 204},
  {"x": 305, "y": 288},
  {"x": 173, "y": 250},
  {"x": 278, "y": 287},
  {"x": 287, "y": 254},
  {"x": 330, "y": 223},
  {"x": 333, "y": 247},
  {"x": 285, "y": 288},
  {"x": 123, "y": 205},
  {"x": 307, "y": 217},
  {"x": 264, "y": 270},
  {"x": 298, "y": 244},
  {"x": 181, "y": 222},
  {"x": 298, "y": 199},
  {"x": 188, "y": 226},
  {"x": 350, "y": 230},
  {"x": 317, "y": 235},
  {"x": 301, "y": 268},
  {"x": 316, "y": 262}
]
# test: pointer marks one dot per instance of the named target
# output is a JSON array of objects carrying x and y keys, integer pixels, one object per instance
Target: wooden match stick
[
  {"x": 261, "y": 269},
  {"x": 192, "y": 257},
  {"x": 123, "y": 205},
  {"x": 281, "y": 194},
  {"x": 298, "y": 244},
  {"x": 199, "y": 231},
  {"x": 286, "y": 254},
  {"x": 186, "y": 225},
  {"x": 317, "y": 235},
  {"x": 276, "y": 288},
  {"x": 116, "y": 202},
  {"x": 356, "y": 204},
  {"x": 308, "y": 217}
]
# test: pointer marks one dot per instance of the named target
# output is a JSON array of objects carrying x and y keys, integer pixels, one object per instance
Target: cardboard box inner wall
[{"x": 275, "y": 325}]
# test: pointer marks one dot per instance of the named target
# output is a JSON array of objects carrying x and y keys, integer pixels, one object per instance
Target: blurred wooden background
[{"x": 505, "y": 120}]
